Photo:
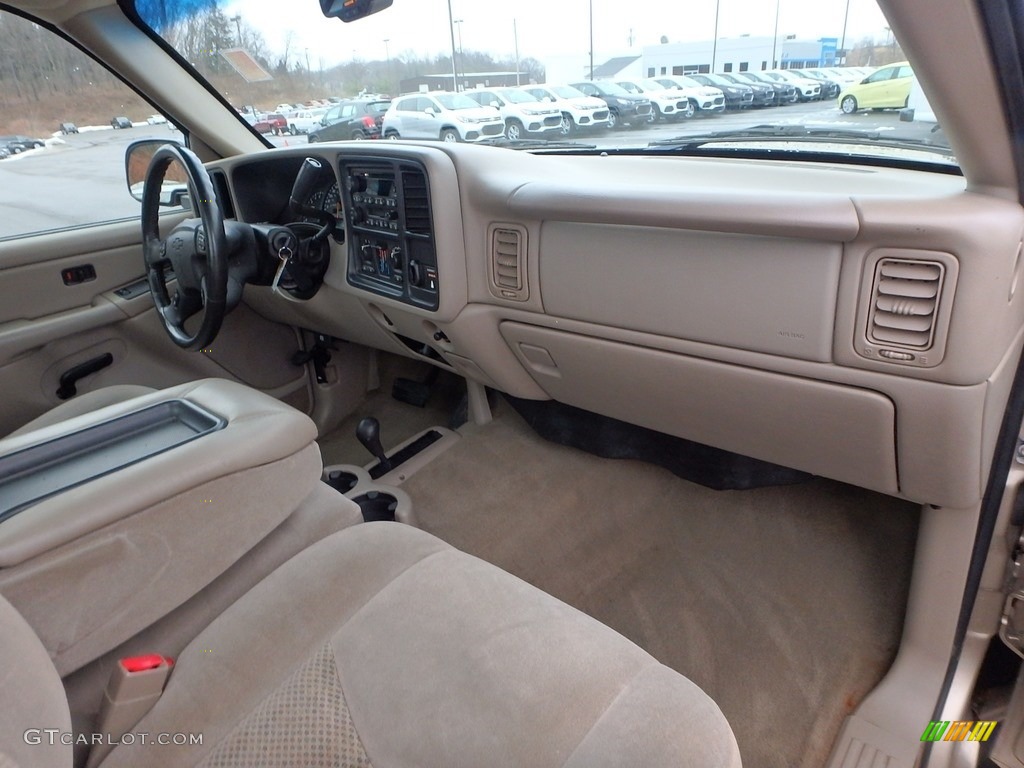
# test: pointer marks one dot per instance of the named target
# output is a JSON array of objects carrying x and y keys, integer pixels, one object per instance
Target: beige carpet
[{"x": 784, "y": 604}]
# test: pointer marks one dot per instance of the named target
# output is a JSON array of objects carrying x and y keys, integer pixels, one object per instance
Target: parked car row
[
  {"x": 552, "y": 111},
  {"x": 272, "y": 122},
  {"x": 15, "y": 145}
]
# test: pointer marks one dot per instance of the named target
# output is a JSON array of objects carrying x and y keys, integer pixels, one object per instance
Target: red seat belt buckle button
[{"x": 134, "y": 664}]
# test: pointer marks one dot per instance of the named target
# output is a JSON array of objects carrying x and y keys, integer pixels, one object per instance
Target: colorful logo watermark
[{"x": 959, "y": 730}]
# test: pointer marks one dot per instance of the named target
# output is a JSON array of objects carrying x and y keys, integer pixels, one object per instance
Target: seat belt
[{"x": 134, "y": 687}]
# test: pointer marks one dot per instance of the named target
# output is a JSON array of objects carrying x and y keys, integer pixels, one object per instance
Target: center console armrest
[{"x": 90, "y": 565}]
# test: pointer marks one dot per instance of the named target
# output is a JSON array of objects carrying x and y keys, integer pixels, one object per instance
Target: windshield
[
  {"x": 565, "y": 91},
  {"x": 517, "y": 97},
  {"x": 612, "y": 89},
  {"x": 264, "y": 56},
  {"x": 455, "y": 101},
  {"x": 716, "y": 80},
  {"x": 685, "y": 82}
]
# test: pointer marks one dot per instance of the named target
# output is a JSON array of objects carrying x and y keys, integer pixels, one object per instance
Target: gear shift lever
[{"x": 368, "y": 433}]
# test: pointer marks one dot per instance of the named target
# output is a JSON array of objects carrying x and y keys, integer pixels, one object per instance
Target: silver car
[{"x": 439, "y": 115}]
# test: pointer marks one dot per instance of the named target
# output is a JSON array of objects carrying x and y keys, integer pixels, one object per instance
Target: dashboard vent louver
[
  {"x": 905, "y": 302},
  {"x": 508, "y": 268},
  {"x": 417, "y": 202}
]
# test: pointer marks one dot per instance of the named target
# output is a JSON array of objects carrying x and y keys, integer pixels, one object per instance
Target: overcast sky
[{"x": 547, "y": 27}]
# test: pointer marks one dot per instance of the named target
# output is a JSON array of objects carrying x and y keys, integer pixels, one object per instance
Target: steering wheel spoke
[
  {"x": 154, "y": 253},
  {"x": 184, "y": 304}
]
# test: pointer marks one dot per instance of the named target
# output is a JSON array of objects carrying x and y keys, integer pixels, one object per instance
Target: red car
[{"x": 269, "y": 123}]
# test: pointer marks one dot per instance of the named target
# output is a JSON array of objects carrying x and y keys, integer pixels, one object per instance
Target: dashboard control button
[{"x": 892, "y": 354}]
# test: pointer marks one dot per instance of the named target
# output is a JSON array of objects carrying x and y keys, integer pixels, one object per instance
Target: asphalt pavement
[{"x": 80, "y": 179}]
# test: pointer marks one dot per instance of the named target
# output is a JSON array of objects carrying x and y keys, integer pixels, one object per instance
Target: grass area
[{"x": 41, "y": 118}]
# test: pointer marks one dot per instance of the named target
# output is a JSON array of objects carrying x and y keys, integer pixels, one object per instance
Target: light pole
[
  {"x": 237, "y": 18},
  {"x": 591, "y": 40},
  {"x": 775, "y": 37},
  {"x": 451, "y": 30},
  {"x": 515, "y": 36},
  {"x": 387, "y": 55},
  {"x": 846, "y": 20},
  {"x": 714, "y": 40},
  {"x": 307, "y": 62},
  {"x": 462, "y": 57}
]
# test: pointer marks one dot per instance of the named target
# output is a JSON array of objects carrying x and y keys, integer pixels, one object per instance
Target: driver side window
[{"x": 61, "y": 110}]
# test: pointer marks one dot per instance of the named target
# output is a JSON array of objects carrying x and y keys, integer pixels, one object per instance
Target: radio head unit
[{"x": 391, "y": 241}]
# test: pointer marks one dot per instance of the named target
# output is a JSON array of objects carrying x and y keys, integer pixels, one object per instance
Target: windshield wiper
[
  {"x": 501, "y": 141},
  {"x": 799, "y": 133}
]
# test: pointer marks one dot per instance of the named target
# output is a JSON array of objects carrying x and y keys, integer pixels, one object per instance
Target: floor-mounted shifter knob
[{"x": 368, "y": 433}]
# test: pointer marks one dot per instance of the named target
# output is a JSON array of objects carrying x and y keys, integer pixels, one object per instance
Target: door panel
[{"x": 47, "y": 327}]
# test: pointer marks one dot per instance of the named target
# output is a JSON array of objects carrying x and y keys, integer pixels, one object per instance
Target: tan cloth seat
[
  {"x": 85, "y": 403},
  {"x": 381, "y": 645}
]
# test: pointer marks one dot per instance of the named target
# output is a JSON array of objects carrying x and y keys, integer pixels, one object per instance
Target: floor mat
[{"x": 785, "y": 604}]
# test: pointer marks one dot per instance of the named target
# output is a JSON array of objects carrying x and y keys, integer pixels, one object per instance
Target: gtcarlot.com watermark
[{"x": 51, "y": 736}]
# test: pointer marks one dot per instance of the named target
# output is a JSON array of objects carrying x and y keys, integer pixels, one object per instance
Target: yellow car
[{"x": 887, "y": 86}]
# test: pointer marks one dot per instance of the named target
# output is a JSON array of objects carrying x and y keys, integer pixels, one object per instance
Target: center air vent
[
  {"x": 417, "y": 201},
  {"x": 905, "y": 303},
  {"x": 508, "y": 263}
]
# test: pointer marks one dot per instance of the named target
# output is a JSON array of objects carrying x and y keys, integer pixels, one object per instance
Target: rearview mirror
[
  {"x": 429, "y": 110},
  {"x": 174, "y": 193},
  {"x": 350, "y": 10}
]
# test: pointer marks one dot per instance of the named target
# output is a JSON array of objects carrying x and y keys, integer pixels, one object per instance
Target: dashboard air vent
[
  {"x": 417, "y": 201},
  {"x": 905, "y": 302},
  {"x": 508, "y": 265}
]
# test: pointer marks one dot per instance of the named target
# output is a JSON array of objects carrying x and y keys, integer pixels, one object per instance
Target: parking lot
[{"x": 79, "y": 179}]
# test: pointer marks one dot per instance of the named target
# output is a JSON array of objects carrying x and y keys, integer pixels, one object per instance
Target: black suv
[
  {"x": 764, "y": 94},
  {"x": 623, "y": 106},
  {"x": 351, "y": 119},
  {"x": 736, "y": 96},
  {"x": 785, "y": 93}
]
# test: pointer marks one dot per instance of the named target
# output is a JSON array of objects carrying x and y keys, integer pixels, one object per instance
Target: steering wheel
[{"x": 196, "y": 250}]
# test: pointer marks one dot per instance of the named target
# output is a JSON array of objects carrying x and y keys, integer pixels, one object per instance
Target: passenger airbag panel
[{"x": 764, "y": 294}]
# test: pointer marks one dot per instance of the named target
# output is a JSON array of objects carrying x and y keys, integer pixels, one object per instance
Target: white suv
[
  {"x": 706, "y": 98},
  {"x": 668, "y": 103},
  {"x": 305, "y": 120},
  {"x": 809, "y": 90},
  {"x": 578, "y": 110},
  {"x": 522, "y": 113},
  {"x": 441, "y": 115}
]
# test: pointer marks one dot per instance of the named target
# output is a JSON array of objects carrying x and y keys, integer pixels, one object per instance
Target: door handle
[{"x": 70, "y": 377}]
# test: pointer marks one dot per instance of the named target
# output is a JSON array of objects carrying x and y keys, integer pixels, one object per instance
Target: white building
[{"x": 737, "y": 54}]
